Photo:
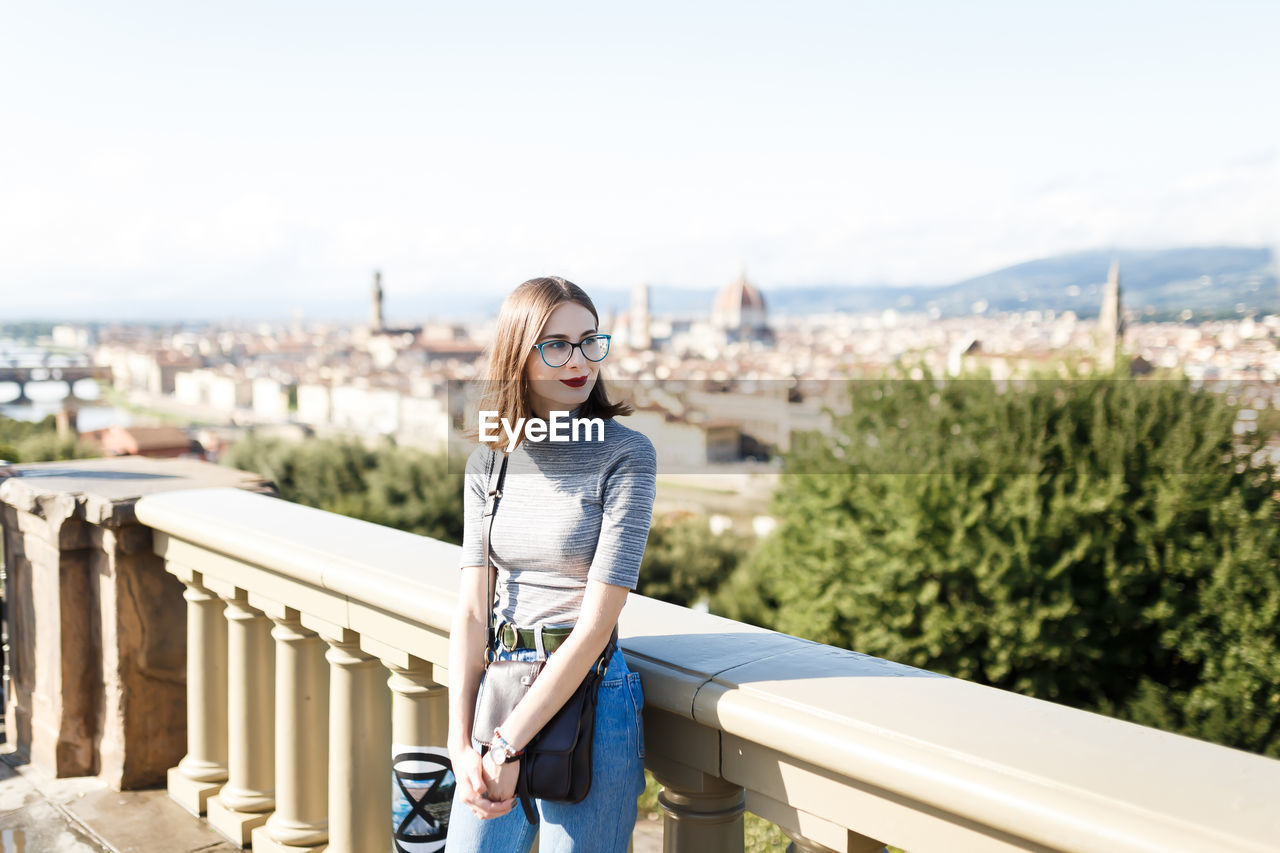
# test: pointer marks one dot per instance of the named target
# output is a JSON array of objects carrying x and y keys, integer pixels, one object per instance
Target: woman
[{"x": 566, "y": 543}]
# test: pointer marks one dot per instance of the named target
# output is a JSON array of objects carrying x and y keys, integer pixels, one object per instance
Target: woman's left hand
[{"x": 501, "y": 778}]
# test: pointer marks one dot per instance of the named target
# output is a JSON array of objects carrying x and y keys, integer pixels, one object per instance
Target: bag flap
[
  {"x": 502, "y": 686},
  {"x": 561, "y": 733}
]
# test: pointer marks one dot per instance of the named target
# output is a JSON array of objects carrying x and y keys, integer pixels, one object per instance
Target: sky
[{"x": 167, "y": 159}]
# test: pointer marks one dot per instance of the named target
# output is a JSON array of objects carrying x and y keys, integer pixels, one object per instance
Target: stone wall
[{"x": 97, "y": 628}]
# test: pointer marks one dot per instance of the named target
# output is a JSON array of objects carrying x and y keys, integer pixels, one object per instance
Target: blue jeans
[{"x": 604, "y": 821}]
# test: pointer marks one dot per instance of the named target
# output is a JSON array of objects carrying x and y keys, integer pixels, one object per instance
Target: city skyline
[{"x": 180, "y": 156}]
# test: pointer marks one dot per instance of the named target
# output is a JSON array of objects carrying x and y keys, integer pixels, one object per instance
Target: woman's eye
[{"x": 556, "y": 346}]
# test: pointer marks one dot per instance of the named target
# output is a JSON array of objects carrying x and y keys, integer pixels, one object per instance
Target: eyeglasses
[{"x": 558, "y": 353}]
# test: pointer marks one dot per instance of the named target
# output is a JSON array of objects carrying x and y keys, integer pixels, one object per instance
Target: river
[{"x": 46, "y": 397}]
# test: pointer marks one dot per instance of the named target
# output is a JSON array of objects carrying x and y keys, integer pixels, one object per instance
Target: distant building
[
  {"x": 80, "y": 338},
  {"x": 166, "y": 367},
  {"x": 363, "y": 409},
  {"x": 314, "y": 404},
  {"x": 459, "y": 351},
  {"x": 1110, "y": 321},
  {"x": 424, "y": 422},
  {"x": 638, "y": 318},
  {"x": 271, "y": 398},
  {"x": 143, "y": 370},
  {"x": 376, "y": 323},
  {"x": 381, "y": 341},
  {"x": 163, "y": 442},
  {"x": 193, "y": 387},
  {"x": 230, "y": 392},
  {"x": 966, "y": 345},
  {"x": 682, "y": 443},
  {"x": 738, "y": 312}
]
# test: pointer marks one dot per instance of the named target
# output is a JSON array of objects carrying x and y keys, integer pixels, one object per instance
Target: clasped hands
[{"x": 487, "y": 788}]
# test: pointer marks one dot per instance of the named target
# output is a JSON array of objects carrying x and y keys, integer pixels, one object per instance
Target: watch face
[{"x": 499, "y": 755}]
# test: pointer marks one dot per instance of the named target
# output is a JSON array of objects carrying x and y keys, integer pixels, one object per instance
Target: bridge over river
[{"x": 70, "y": 374}]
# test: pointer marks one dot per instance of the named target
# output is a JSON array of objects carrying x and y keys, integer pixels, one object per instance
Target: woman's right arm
[{"x": 467, "y": 638}]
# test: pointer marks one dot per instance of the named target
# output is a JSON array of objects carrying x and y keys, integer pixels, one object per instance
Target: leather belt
[{"x": 513, "y": 638}]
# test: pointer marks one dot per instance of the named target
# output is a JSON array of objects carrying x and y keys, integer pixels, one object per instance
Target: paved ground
[
  {"x": 29, "y": 824},
  {"x": 648, "y": 836},
  {"x": 40, "y": 814}
]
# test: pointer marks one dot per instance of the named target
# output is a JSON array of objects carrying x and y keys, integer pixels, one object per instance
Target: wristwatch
[{"x": 501, "y": 750}]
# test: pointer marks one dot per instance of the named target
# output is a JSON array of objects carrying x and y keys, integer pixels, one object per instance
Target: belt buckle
[{"x": 502, "y": 637}]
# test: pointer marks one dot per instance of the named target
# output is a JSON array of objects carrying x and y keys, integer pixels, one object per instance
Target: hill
[{"x": 1159, "y": 283}]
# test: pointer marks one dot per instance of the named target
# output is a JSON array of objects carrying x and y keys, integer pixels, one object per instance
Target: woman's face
[{"x": 548, "y": 390}]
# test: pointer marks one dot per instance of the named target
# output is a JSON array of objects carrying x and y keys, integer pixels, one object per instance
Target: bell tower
[
  {"x": 375, "y": 308},
  {"x": 1110, "y": 320}
]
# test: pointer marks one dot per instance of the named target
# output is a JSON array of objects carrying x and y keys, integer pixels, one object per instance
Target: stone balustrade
[
  {"x": 95, "y": 652},
  {"x": 317, "y": 648}
]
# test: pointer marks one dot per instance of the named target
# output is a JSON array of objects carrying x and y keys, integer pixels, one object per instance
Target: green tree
[
  {"x": 685, "y": 563},
  {"x": 395, "y": 486},
  {"x": 415, "y": 491},
  {"x": 38, "y": 441},
  {"x": 1106, "y": 544}
]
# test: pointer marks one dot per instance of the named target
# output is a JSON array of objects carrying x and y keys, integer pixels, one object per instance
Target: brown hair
[{"x": 505, "y": 388}]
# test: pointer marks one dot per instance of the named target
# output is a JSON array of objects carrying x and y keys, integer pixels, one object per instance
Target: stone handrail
[{"x": 842, "y": 750}]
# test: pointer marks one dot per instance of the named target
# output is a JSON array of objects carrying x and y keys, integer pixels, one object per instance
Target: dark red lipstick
[{"x": 575, "y": 383}]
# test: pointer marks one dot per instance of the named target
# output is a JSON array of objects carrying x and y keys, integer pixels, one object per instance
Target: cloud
[{"x": 179, "y": 226}]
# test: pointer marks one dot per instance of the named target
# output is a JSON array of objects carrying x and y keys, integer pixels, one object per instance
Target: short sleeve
[
  {"x": 629, "y": 487},
  {"x": 474, "y": 486}
]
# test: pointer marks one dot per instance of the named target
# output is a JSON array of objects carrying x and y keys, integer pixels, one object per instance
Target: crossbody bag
[{"x": 556, "y": 764}]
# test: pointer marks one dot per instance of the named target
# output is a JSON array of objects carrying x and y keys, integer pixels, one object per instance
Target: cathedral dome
[
  {"x": 739, "y": 305},
  {"x": 737, "y": 296}
]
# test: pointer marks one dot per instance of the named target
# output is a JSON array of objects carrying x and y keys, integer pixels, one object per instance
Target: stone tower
[
  {"x": 1110, "y": 321},
  {"x": 375, "y": 309},
  {"x": 638, "y": 334}
]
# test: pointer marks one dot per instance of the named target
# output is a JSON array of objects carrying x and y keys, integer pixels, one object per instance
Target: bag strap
[
  {"x": 490, "y": 507},
  {"x": 526, "y": 799}
]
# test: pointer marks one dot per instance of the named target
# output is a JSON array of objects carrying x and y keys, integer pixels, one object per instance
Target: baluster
[
  {"x": 420, "y": 759},
  {"x": 702, "y": 819},
  {"x": 204, "y": 768},
  {"x": 301, "y": 818},
  {"x": 245, "y": 802},
  {"x": 359, "y": 749}
]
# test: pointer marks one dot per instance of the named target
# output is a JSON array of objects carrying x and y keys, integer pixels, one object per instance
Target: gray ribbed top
[{"x": 569, "y": 512}]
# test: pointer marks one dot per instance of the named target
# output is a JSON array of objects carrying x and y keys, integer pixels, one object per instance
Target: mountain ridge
[
  {"x": 1157, "y": 283},
  {"x": 1206, "y": 280}
]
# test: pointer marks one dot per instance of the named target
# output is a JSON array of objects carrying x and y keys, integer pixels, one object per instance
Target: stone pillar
[
  {"x": 702, "y": 819},
  {"x": 55, "y": 666},
  {"x": 420, "y": 756},
  {"x": 301, "y": 818},
  {"x": 419, "y": 706},
  {"x": 204, "y": 768},
  {"x": 248, "y": 797},
  {"x": 97, "y": 628},
  {"x": 359, "y": 749}
]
